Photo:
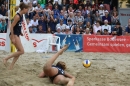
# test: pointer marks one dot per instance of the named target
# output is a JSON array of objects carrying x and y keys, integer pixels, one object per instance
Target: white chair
[{"x": 54, "y": 40}]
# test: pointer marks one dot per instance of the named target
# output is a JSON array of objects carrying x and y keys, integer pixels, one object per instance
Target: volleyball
[{"x": 86, "y": 63}]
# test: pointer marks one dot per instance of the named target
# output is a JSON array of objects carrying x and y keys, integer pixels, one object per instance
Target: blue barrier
[{"x": 75, "y": 41}]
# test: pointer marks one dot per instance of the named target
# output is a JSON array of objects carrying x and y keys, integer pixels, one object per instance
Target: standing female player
[
  {"x": 56, "y": 73},
  {"x": 15, "y": 31}
]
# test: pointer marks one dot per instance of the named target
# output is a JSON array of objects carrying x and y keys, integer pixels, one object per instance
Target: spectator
[
  {"x": 127, "y": 30},
  {"x": 52, "y": 21},
  {"x": 28, "y": 23},
  {"x": 70, "y": 9},
  {"x": 79, "y": 17},
  {"x": 117, "y": 30},
  {"x": 88, "y": 25},
  {"x": 64, "y": 10},
  {"x": 30, "y": 29},
  {"x": 38, "y": 9},
  {"x": 78, "y": 30},
  {"x": 114, "y": 10},
  {"x": 67, "y": 30},
  {"x": 107, "y": 5},
  {"x": 3, "y": 10},
  {"x": 71, "y": 17},
  {"x": 34, "y": 3},
  {"x": 49, "y": 31},
  {"x": 105, "y": 32},
  {"x": 87, "y": 32},
  {"x": 64, "y": 17},
  {"x": 3, "y": 26},
  {"x": 88, "y": 3},
  {"x": 56, "y": 4},
  {"x": 61, "y": 25},
  {"x": 40, "y": 29},
  {"x": 98, "y": 32},
  {"x": 70, "y": 24},
  {"x": 31, "y": 11},
  {"x": 50, "y": 6},
  {"x": 56, "y": 11},
  {"x": 64, "y": 4},
  {"x": 106, "y": 26},
  {"x": 88, "y": 18},
  {"x": 97, "y": 17},
  {"x": 43, "y": 23},
  {"x": 58, "y": 31},
  {"x": 34, "y": 23},
  {"x": 101, "y": 10},
  {"x": 114, "y": 19},
  {"x": 96, "y": 27},
  {"x": 106, "y": 17}
]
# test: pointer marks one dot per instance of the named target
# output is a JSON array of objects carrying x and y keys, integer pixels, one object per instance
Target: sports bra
[{"x": 60, "y": 72}]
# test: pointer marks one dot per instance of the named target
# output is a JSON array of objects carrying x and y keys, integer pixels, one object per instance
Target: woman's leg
[
  {"x": 16, "y": 55},
  {"x": 49, "y": 63}
]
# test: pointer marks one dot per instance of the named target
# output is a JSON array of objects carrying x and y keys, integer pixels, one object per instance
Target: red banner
[{"x": 94, "y": 43}]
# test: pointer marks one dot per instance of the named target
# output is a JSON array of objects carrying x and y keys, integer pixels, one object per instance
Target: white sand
[{"x": 107, "y": 69}]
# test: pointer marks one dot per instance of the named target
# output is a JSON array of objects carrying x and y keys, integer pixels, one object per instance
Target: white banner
[
  {"x": 40, "y": 42},
  {"x": 2, "y": 41},
  {"x": 26, "y": 39}
]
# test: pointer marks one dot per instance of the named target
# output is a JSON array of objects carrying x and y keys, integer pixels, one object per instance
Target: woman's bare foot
[
  {"x": 63, "y": 49},
  {"x": 5, "y": 62},
  {"x": 10, "y": 67}
]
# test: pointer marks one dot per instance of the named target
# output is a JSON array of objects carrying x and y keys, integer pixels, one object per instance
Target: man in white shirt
[
  {"x": 34, "y": 23},
  {"x": 58, "y": 31},
  {"x": 61, "y": 25},
  {"x": 106, "y": 26}
]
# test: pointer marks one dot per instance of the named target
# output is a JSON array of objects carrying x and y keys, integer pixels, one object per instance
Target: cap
[
  {"x": 58, "y": 28},
  {"x": 105, "y": 20},
  {"x": 106, "y": 11},
  {"x": 67, "y": 27},
  {"x": 101, "y": 5}
]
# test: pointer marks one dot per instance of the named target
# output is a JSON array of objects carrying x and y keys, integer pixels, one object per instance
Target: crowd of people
[{"x": 61, "y": 17}]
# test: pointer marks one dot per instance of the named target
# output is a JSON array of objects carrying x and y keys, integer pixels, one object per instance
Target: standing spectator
[
  {"x": 56, "y": 11},
  {"x": 3, "y": 10},
  {"x": 117, "y": 30},
  {"x": 34, "y": 23},
  {"x": 96, "y": 27},
  {"x": 43, "y": 23},
  {"x": 52, "y": 21},
  {"x": 64, "y": 17},
  {"x": 106, "y": 26},
  {"x": 106, "y": 17}
]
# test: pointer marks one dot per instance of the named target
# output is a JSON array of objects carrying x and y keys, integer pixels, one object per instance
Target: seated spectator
[
  {"x": 30, "y": 29},
  {"x": 106, "y": 26},
  {"x": 3, "y": 10},
  {"x": 127, "y": 30},
  {"x": 50, "y": 6},
  {"x": 70, "y": 9},
  {"x": 3, "y": 26},
  {"x": 40, "y": 30},
  {"x": 47, "y": 10},
  {"x": 58, "y": 31},
  {"x": 56, "y": 11},
  {"x": 98, "y": 32},
  {"x": 56, "y": 3},
  {"x": 88, "y": 18},
  {"x": 38, "y": 9},
  {"x": 64, "y": 17},
  {"x": 71, "y": 17},
  {"x": 70, "y": 24},
  {"x": 67, "y": 30},
  {"x": 34, "y": 23},
  {"x": 114, "y": 19},
  {"x": 64, "y": 10},
  {"x": 79, "y": 17},
  {"x": 105, "y": 32},
  {"x": 97, "y": 17},
  {"x": 87, "y": 32},
  {"x": 101, "y": 10},
  {"x": 88, "y": 25},
  {"x": 28, "y": 23},
  {"x": 49, "y": 31},
  {"x": 106, "y": 17},
  {"x": 34, "y": 3},
  {"x": 61, "y": 25},
  {"x": 96, "y": 27},
  {"x": 117, "y": 30},
  {"x": 114, "y": 10},
  {"x": 78, "y": 30},
  {"x": 64, "y": 4},
  {"x": 81, "y": 25}
]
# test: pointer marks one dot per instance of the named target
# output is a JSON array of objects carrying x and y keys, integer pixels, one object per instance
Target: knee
[{"x": 21, "y": 52}]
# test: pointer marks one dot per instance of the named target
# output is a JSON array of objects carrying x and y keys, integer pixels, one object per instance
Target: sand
[{"x": 107, "y": 69}]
